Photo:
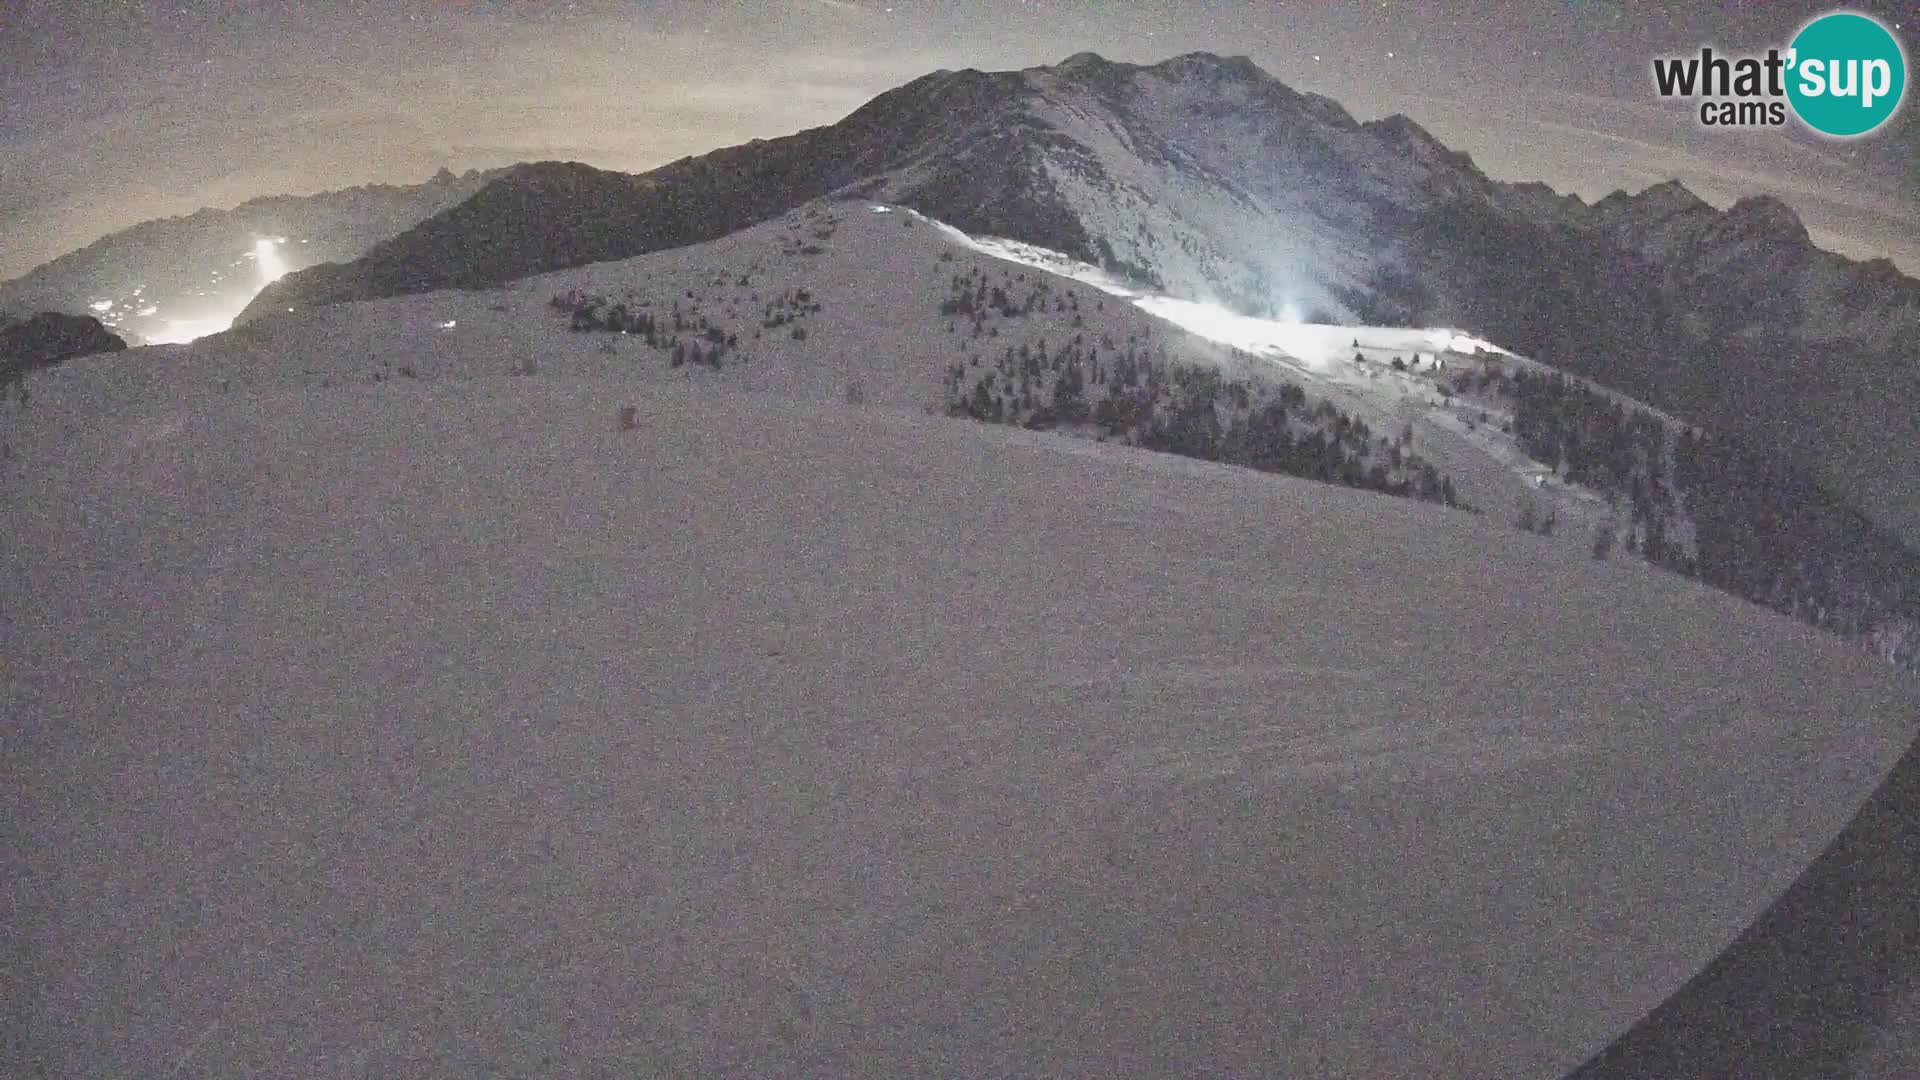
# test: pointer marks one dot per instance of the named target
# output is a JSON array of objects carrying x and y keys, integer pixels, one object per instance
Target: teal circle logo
[{"x": 1847, "y": 74}]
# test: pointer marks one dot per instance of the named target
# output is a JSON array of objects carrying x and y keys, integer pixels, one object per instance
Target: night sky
[{"x": 115, "y": 112}]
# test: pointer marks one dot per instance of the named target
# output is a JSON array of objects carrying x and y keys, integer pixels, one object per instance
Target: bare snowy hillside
[
  {"x": 440, "y": 727},
  {"x": 388, "y": 699}
]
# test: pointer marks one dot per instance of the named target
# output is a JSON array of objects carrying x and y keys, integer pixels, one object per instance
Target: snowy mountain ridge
[
  {"x": 1212, "y": 179},
  {"x": 1213, "y": 182},
  {"x": 847, "y": 298}
]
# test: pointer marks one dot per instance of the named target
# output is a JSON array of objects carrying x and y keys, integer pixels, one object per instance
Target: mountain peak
[
  {"x": 1402, "y": 129},
  {"x": 1187, "y": 66},
  {"x": 1084, "y": 60},
  {"x": 1404, "y": 136},
  {"x": 1768, "y": 215},
  {"x": 1212, "y": 65},
  {"x": 1671, "y": 196},
  {"x": 1656, "y": 203}
]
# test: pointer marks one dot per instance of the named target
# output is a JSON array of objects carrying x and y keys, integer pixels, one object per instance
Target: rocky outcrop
[{"x": 50, "y": 338}]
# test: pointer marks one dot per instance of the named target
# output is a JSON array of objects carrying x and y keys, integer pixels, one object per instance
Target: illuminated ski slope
[
  {"x": 226, "y": 295},
  {"x": 1320, "y": 348},
  {"x": 1388, "y": 376}
]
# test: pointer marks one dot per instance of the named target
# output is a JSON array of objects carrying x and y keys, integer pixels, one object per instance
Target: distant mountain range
[{"x": 177, "y": 277}]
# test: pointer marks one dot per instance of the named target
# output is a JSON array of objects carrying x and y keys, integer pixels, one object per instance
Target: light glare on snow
[
  {"x": 269, "y": 266},
  {"x": 266, "y": 257},
  {"x": 1458, "y": 342},
  {"x": 1262, "y": 337},
  {"x": 1313, "y": 346},
  {"x": 181, "y": 331}
]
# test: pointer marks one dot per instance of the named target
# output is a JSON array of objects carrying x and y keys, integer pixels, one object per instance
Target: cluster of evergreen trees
[
  {"x": 821, "y": 230},
  {"x": 1758, "y": 527},
  {"x": 973, "y": 296},
  {"x": 1134, "y": 394},
  {"x": 1767, "y": 531},
  {"x": 1596, "y": 442},
  {"x": 790, "y": 306},
  {"x": 687, "y": 337}
]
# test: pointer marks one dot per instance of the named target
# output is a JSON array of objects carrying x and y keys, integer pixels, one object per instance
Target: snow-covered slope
[
  {"x": 842, "y": 298},
  {"x": 878, "y": 276},
  {"x": 442, "y": 728},
  {"x": 829, "y": 294},
  {"x": 374, "y": 709}
]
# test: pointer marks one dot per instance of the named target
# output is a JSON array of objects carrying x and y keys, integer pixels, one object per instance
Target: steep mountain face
[
  {"x": 1201, "y": 174},
  {"x": 1733, "y": 319},
  {"x": 1753, "y": 272},
  {"x": 947, "y": 128},
  {"x": 1207, "y": 178},
  {"x": 151, "y": 281}
]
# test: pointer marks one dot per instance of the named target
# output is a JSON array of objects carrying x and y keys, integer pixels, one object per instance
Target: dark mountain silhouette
[{"x": 50, "y": 338}]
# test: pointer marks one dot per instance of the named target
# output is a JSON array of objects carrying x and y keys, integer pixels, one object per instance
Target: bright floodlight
[{"x": 266, "y": 258}]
